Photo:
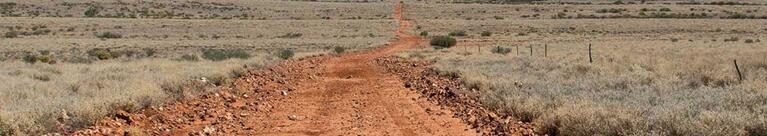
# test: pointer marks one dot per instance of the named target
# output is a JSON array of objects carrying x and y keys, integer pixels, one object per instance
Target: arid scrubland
[
  {"x": 648, "y": 76},
  {"x": 66, "y": 64}
]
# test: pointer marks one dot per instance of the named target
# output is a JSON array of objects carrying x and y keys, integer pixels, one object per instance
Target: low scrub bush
[
  {"x": 11, "y": 34},
  {"x": 91, "y": 11},
  {"x": 42, "y": 58},
  {"x": 189, "y": 57},
  {"x": 457, "y": 33},
  {"x": 285, "y": 53},
  {"x": 222, "y": 54},
  {"x": 424, "y": 33},
  {"x": 486, "y": 33},
  {"x": 101, "y": 54},
  {"x": 109, "y": 35},
  {"x": 339, "y": 49},
  {"x": 443, "y": 41}
]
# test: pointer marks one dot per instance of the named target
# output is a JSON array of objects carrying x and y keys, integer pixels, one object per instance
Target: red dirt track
[{"x": 347, "y": 94}]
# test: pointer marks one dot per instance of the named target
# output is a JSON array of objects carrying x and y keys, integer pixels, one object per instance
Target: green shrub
[
  {"x": 665, "y": 9},
  {"x": 339, "y": 49},
  {"x": 45, "y": 58},
  {"x": 424, "y": 33},
  {"x": 486, "y": 33},
  {"x": 91, "y": 12},
  {"x": 501, "y": 50},
  {"x": 101, "y": 54},
  {"x": 457, "y": 33},
  {"x": 189, "y": 57},
  {"x": 11, "y": 34},
  {"x": 29, "y": 58},
  {"x": 109, "y": 35},
  {"x": 221, "y": 54},
  {"x": 731, "y": 39},
  {"x": 443, "y": 41},
  {"x": 674, "y": 40},
  {"x": 285, "y": 54},
  {"x": 749, "y": 41}
]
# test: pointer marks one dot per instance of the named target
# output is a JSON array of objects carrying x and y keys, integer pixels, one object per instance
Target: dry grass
[
  {"x": 184, "y": 36},
  {"x": 75, "y": 95},
  {"x": 159, "y": 57},
  {"x": 632, "y": 88}
]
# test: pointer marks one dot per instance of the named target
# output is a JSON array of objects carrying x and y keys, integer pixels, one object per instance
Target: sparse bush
[
  {"x": 424, "y": 33},
  {"x": 101, "y": 54},
  {"x": 486, "y": 33},
  {"x": 665, "y": 9},
  {"x": 109, "y": 35},
  {"x": 149, "y": 52},
  {"x": 443, "y": 41},
  {"x": 498, "y": 17},
  {"x": 458, "y": 33},
  {"x": 339, "y": 49},
  {"x": 41, "y": 77},
  {"x": 285, "y": 54},
  {"x": 29, "y": 58},
  {"x": 91, "y": 11},
  {"x": 11, "y": 34},
  {"x": 749, "y": 41},
  {"x": 189, "y": 57},
  {"x": 674, "y": 40},
  {"x": 731, "y": 39},
  {"x": 221, "y": 54}
]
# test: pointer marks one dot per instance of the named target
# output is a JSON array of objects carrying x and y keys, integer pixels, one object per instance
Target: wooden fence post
[
  {"x": 740, "y": 76},
  {"x": 545, "y": 50},
  {"x": 531, "y": 50},
  {"x": 479, "y": 49}
]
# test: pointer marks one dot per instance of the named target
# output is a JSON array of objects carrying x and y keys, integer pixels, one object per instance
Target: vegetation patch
[
  {"x": 285, "y": 53},
  {"x": 457, "y": 33},
  {"x": 108, "y": 35},
  {"x": 224, "y": 54},
  {"x": 443, "y": 41}
]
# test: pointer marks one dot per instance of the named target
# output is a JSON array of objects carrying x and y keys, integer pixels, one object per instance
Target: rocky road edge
[
  {"x": 253, "y": 94},
  {"x": 449, "y": 92}
]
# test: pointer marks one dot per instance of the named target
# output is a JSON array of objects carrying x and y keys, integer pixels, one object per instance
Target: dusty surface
[{"x": 323, "y": 95}]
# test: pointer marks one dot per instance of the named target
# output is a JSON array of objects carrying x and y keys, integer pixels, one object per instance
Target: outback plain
[{"x": 383, "y": 67}]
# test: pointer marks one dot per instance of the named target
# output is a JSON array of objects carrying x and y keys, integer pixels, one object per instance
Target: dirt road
[
  {"x": 322, "y": 95},
  {"x": 353, "y": 96}
]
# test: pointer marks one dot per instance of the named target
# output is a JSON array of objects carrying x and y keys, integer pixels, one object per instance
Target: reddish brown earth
[{"x": 349, "y": 94}]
